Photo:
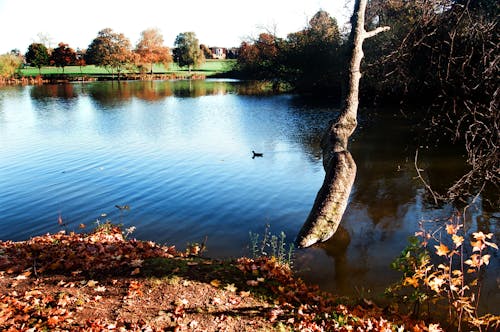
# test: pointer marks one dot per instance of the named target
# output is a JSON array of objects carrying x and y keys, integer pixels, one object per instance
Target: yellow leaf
[
  {"x": 92, "y": 283},
  {"x": 231, "y": 288},
  {"x": 442, "y": 250},
  {"x": 215, "y": 283},
  {"x": 486, "y": 259},
  {"x": 477, "y": 245},
  {"x": 451, "y": 229},
  {"x": 491, "y": 244},
  {"x": 480, "y": 236},
  {"x": 411, "y": 281},
  {"x": 458, "y": 240},
  {"x": 435, "y": 284},
  {"x": 435, "y": 328}
]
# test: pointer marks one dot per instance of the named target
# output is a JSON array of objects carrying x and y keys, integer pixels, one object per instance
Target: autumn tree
[
  {"x": 187, "y": 50},
  {"x": 80, "y": 59},
  {"x": 9, "y": 63},
  {"x": 109, "y": 49},
  {"x": 207, "y": 52},
  {"x": 63, "y": 56},
  {"x": 150, "y": 49},
  {"x": 261, "y": 58},
  {"x": 308, "y": 59},
  {"x": 37, "y": 55}
]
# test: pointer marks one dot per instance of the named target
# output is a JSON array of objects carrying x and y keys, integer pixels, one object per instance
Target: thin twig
[{"x": 434, "y": 195}]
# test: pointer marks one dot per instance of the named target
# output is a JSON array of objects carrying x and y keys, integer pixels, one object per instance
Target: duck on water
[{"x": 257, "y": 154}]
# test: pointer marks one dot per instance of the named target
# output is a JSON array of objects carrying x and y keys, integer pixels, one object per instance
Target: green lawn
[{"x": 210, "y": 67}]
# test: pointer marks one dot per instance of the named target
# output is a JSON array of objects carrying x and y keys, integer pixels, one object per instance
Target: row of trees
[
  {"x": 308, "y": 59},
  {"x": 114, "y": 51},
  {"x": 38, "y": 55}
]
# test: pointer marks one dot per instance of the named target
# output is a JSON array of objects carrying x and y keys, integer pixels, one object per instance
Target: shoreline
[
  {"x": 68, "y": 78},
  {"x": 101, "y": 281}
]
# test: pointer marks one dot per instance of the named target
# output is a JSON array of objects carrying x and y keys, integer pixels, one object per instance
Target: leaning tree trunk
[{"x": 339, "y": 165}]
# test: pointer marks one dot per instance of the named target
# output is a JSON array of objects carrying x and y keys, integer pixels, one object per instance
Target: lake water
[{"x": 179, "y": 154}]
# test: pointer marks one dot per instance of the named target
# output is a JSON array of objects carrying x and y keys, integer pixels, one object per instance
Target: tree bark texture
[{"x": 331, "y": 200}]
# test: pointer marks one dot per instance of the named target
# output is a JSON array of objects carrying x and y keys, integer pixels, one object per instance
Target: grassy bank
[
  {"x": 103, "y": 282},
  {"x": 209, "y": 68}
]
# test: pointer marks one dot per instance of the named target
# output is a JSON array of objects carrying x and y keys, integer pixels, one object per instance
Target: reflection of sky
[
  {"x": 184, "y": 166},
  {"x": 94, "y": 154}
]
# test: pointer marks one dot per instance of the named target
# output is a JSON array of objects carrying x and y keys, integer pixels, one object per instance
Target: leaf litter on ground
[{"x": 101, "y": 281}]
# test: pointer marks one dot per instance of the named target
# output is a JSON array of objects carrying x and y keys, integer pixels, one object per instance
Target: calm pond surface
[{"x": 179, "y": 154}]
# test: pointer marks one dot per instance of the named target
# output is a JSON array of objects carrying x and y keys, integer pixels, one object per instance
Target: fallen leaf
[
  {"x": 252, "y": 283},
  {"x": 244, "y": 293},
  {"x": 215, "y": 283},
  {"x": 216, "y": 301},
  {"x": 136, "y": 263},
  {"x": 231, "y": 288},
  {"x": 135, "y": 272},
  {"x": 92, "y": 283},
  {"x": 100, "y": 289}
]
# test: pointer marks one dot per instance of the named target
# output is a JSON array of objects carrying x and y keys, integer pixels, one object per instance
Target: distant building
[
  {"x": 218, "y": 52},
  {"x": 233, "y": 53}
]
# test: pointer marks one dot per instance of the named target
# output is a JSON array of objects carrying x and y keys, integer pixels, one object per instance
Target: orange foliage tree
[
  {"x": 150, "y": 49},
  {"x": 63, "y": 56}
]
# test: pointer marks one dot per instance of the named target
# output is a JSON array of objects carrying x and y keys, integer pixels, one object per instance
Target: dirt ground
[{"x": 102, "y": 282}]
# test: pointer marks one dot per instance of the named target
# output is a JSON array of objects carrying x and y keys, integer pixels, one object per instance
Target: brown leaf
[
  {"x": 215, "y": 283},
  {"x": 252, "y": 283}
]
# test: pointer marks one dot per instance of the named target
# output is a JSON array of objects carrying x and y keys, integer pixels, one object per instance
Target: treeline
[
  {"x": 309, "y": 60},
  {"x": 112, "y": 51}
]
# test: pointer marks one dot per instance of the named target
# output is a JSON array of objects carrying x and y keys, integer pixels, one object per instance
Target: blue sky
[{"x": 222, "y": 23}]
